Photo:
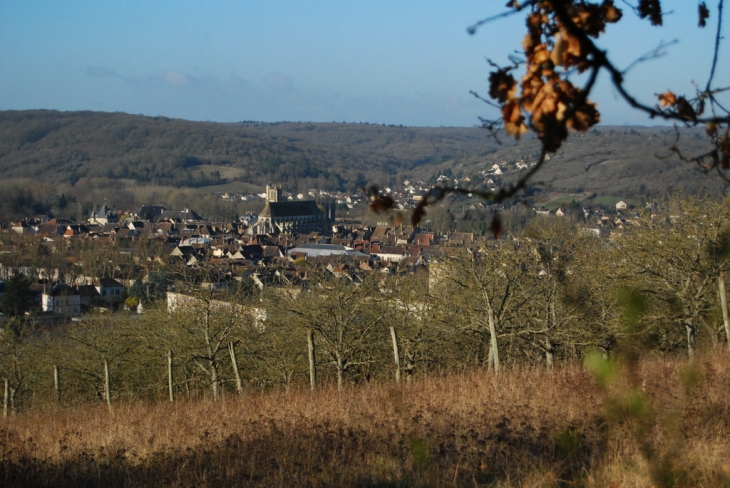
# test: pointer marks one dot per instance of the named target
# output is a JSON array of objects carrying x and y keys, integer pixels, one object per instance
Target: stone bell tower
[{"x": 273, "y": 193}]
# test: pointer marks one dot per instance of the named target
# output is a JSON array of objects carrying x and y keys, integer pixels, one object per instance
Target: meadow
[{"x": 526, "y": 426}]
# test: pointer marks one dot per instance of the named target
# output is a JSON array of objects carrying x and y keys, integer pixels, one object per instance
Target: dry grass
[{"x": 527, "y": 427}]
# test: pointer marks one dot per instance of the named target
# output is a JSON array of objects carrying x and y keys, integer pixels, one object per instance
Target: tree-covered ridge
[
  {"x": 66, "y": 147},
  {"x": 62, "y": 146}
]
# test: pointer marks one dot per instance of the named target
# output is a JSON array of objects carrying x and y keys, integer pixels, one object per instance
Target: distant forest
[{"x": 123, "y": 160}]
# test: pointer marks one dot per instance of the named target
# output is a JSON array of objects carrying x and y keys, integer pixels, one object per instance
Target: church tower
[{"x": 273, "y": 193}]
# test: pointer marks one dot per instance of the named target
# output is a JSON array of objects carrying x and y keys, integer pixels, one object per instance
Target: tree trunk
[
  {"x": 409, "y": 366},
  {"x": 57, "y": 383},
  {"x": 691, "y": 339},
  {"x": 214, "y": 379},
  {"x": 340, "y": 373},
  {"x": 493, "y": 350},
  {"x": 234, "y": 363},
  {"x": 312, "y": 363},
  {"x": 169, "y": 377},
  {"x": 396, "y": 354},
  {"x": 490, "y": 357},
  {"x": 107, "y": 388},
  {"x": 549, "y": 353},
  {"x": 13, "y": 392},
  {"x": 6, "y": 398},
  {"x": 723, "y": 305}
]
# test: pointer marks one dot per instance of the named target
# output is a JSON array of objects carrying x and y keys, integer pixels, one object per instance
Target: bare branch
[
  {"x": 473, "y": 28},
  {"x": 718, "y": 36}
]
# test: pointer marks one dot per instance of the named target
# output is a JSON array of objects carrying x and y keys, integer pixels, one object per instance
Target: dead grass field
[{"x": 527, "y": 427}]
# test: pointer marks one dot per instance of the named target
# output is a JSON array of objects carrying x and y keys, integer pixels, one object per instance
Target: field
[
  {"x": 525, "y": 427},
  {"x": 226, "y": 172},
  {"x": 608, "y": 201},
  {"x": 232, "y": 187}
]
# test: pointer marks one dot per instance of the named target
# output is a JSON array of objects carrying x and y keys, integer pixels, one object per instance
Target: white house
[
  {"x": 109, "y": 289},
  {"x": 62, "y": 299}
]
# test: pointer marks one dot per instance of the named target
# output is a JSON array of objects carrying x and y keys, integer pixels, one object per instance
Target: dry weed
[{"x": 525, "y": 427}]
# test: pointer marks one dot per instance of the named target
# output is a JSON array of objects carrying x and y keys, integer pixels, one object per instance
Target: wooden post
[
  {"x": 312, "y": 370},
  {"x": 396, "y": 354},
  {"x": 236, "y": 372},
  {"x": 6, "y": 399},
  {"x": 57, "y": 383},
  {"x": 107, "y": 393},
  {"x": 169, "y": 376},
  {"x": 723, "y": 305}
]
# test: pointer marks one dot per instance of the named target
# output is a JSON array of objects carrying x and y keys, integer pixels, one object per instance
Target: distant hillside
[
  {"x": 64, "y": 147},
  {"x": 67, "y": 146},
  {"x": 626, "y": 161}
]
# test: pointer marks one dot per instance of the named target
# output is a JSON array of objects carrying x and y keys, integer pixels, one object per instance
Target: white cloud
[{"x": 175, "y": 78}]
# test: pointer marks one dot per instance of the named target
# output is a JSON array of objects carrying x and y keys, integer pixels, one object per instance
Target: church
[{"x": 284, "y": 217}]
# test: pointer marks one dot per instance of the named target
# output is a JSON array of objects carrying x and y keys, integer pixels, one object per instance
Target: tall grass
[{"x": 525, "y": 427}]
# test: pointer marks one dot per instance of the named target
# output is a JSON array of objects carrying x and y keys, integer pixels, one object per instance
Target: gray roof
[
  {"x": 61, "y": 290},
  {"x": 313, "y": 250},
  {"x": 305, "y": 208}
]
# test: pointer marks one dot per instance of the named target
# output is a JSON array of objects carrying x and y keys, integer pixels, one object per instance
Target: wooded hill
[{"x": 64, "y": 147}]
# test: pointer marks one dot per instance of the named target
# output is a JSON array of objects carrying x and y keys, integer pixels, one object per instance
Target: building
[
  {"x": 102, "y": 216},
  {"x": 320, "y": 250},
  {"x": 288, "y": 217},
  {"x": 62, "y": 299},
  {"x": 109, "y": 289}
]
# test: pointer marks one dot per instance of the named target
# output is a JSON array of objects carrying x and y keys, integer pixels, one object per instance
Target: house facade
[
  {"x": 61, "y": 299},
  {"x": 102, "y": 216},
  {"x": 109, "y": 289}
]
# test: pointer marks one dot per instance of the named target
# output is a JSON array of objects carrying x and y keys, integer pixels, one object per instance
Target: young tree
[
  {"x": 345, "y": 318},
  {"x": 100, "y": 350},
  {"x": 21, "y": 360},
  {"x": 199, "y": 325},
  {"x": 17, "y": 299},
  {"x": 488, "y": 287},
  {"x": 548, "y": 249},
  {"x": 415, "y": 323},
  {"x": 675, "y": 260}
]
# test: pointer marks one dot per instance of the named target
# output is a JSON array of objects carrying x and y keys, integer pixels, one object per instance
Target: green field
[
  {"x": 584, "y": 200},
  {"x": 226, "y": 172},
  {"x": 611, "y": 201},
  {"x": 233, "y": 187}
]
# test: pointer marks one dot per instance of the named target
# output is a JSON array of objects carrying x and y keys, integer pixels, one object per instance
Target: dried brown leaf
[
  {"x": 496, "y": 227},
  {"x": 514, "y": 121},
  {"x": 418, "y": 213},
  {"x": 667, "y": 99},
  {"x": 651, "y": 9},
  {"x": 502, "y": 85},
  {"x": 704, "y": 14},
  {"x": 611, "y": 13},
  {"x": 685, "y": 110}
]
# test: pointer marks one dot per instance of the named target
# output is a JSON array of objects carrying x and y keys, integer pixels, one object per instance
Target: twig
[
  {"x": 473, "y": 28},
  {"x": 718, "y": 36}
]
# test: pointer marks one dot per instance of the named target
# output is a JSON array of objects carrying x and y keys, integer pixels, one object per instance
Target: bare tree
[
  {"x": 490, "y": 286},
  {"x": 345, "y": 318},
  {"x": 199, "y": 323},
  {"x": 676, "y": 260}
]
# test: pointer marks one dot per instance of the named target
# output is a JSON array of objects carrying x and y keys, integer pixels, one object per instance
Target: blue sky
[{"x": 405, "y": 62}]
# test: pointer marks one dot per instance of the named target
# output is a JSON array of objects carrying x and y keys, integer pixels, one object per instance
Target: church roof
[{"x": 304, "y": 208}]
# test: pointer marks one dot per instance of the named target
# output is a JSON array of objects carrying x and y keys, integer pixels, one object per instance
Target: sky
[{"x": 407, "y": 62}]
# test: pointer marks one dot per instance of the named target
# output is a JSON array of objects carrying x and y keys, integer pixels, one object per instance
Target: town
[{"x": 102, "y": 264}]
